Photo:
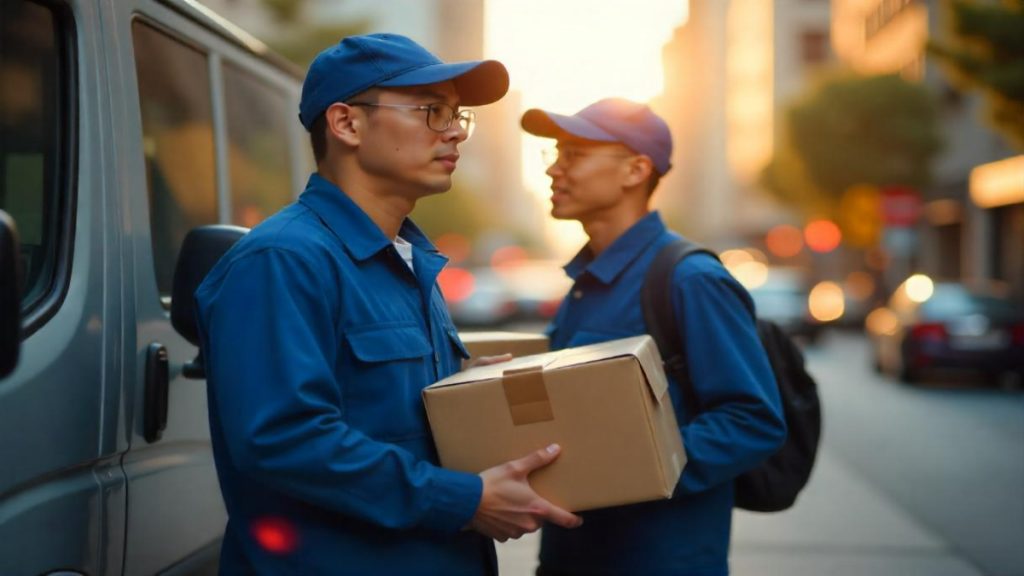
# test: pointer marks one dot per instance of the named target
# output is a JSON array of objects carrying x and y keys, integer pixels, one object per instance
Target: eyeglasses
[
  {"x": 439, "y": 116},
  {"x": 568, "y": 156}
]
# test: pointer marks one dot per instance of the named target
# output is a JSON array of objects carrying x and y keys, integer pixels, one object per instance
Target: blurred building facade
[
  {"x": 956, "y": 237},
  {"x": 490, "y": 166},
  {"x": 729, "y": 70}
]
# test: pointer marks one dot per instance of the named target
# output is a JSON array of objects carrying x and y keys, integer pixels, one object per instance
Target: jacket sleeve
[
  {"x": 271, "y": 344},
  {"x": 741, "y": 420}
]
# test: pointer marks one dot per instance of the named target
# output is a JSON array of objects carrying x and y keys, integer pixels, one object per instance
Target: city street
[{"x": 924, "y": 480}]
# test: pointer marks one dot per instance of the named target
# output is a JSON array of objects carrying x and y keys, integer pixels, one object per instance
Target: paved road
[
  {"x": 922, "y": 481},
  {"x": 950, "y": 452}
]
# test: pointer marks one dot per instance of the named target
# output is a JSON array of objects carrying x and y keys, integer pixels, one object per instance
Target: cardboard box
[
  {"x": 494, "y": 343},
  {"x": 606, "y": 404}
]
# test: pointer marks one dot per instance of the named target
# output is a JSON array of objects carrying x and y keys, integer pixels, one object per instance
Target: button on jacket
[
  {"x": 741, "y": 422},
  {"x": 318, "y": 341}
]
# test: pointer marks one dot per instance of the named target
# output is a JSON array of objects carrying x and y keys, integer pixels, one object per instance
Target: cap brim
[
  {"x": 477, "y": 83},
  {"x": 548, "y": 125}
]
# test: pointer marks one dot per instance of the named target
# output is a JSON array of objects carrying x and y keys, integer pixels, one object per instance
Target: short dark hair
[
  {"x": 318, "y": 137},
  {"x": 652, "y": 182}
]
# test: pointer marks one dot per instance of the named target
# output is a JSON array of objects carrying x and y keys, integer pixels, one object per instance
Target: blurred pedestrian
[
  {"x": 322, "y": 326},
  {"x": 608, "y": 160}
]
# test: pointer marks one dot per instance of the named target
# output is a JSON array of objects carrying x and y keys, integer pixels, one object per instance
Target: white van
[{"x": 123, "y": 125}]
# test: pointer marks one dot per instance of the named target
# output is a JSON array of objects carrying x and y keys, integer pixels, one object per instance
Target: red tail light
[
  {"x": 933, "y": 332},
  {"x": 1018, "y": 334}
]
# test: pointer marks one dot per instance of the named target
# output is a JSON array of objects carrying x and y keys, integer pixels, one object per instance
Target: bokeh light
[
  {"x": 456, "y": 283},
  {"x": 826, "y": 301},
  {"x": 275, "y": 535},
  {"x": 750, "y": 274},
  {"x": 784, "y": 241},
  {"x": 882, "y": 321},
  {"x": 822, "y": 235},
  {"x": 919, "y": 288}
]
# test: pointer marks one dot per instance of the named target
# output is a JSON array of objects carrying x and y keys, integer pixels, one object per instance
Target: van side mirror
[
  {"x": 10, "y": 301},
  {"x": 200, "y": 251}
]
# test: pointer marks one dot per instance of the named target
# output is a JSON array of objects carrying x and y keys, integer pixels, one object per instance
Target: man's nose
[{"x": 456, "y": 131}]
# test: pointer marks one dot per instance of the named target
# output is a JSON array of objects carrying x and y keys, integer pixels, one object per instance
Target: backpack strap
[{"x": 660, "y": 316}]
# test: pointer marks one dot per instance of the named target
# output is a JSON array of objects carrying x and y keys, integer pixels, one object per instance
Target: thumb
[{"x": 538, "y": 459}]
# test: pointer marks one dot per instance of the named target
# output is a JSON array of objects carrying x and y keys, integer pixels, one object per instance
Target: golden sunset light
[{"x": 564, "y": 55}]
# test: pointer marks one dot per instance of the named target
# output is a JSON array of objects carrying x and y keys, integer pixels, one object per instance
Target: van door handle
[{"x": 155, "y": 395}]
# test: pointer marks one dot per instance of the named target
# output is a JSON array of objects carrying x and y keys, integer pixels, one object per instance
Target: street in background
[{"x": 931, "y": 325}]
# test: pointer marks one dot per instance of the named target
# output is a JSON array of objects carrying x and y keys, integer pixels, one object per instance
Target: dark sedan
[{"x": 947, "y": 325}]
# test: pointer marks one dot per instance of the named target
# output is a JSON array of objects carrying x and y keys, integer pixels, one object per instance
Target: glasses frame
[
  {"x": 466, "y": 117},
  {"x": 568, "y": 156}
]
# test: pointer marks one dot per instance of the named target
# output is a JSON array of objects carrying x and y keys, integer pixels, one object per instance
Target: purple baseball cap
[
  {"x": 609, "y": 120},
  {"x": 359, "y": 63}
]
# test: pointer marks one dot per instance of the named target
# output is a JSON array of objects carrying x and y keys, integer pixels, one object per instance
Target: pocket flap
[
  {"x": 384, "y": 342},
  {"x": 453, "y": 335}
]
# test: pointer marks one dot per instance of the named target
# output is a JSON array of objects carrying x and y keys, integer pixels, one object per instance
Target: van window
[
  {"x": 257, "y": 116},
  {"x": 177, "y": 141},
  {"x": 34, "y": 138}
]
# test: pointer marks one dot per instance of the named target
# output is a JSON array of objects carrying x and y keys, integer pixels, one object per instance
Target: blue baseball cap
[
  {"x": 610, "y": 120},
  {"x": 359, "y": 63}
]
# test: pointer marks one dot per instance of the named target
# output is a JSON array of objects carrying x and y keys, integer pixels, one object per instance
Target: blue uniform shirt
[
  {"x": 740, "y": 425},
  {"x": 318, "y": 341}
]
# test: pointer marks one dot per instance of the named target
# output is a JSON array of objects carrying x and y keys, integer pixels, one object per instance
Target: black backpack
[{"x": 774, "y": 484}]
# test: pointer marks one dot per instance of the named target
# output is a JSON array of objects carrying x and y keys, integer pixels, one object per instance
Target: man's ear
[
  {"x": 344, "y": 123},
  {"x": 638, "y": 170}
]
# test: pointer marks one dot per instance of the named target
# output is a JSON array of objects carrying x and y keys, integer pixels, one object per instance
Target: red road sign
[{"x": 901, "y": 206}]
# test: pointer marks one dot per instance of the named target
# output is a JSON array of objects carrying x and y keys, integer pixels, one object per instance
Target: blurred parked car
[
  {"x": 477, "y": 297},
  {"x": 783, "y": 296},
  {"x": 538, "y": 287},
  {"x": 928, "y": 325}
]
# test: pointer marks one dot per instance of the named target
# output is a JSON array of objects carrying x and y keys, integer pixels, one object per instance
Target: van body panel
[
  {"x": 86, "y": 491},
  {"x": 63, "y": 503},
  {"x": 174, "y": 503}
]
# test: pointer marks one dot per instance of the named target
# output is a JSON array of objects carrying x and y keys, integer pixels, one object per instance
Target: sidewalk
[{"x": 841, "y": 526}]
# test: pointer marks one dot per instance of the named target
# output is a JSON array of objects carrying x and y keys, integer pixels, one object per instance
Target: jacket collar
[
  {"x": 361, "y": 237},
  {"x": 623, "y": 251}
]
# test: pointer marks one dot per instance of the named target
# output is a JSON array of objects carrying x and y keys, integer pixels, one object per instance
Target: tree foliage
[
  {"x": 299, "y": 40},
  {"x": 879, "y": 130},
  {"x": 986, "y": 52}
]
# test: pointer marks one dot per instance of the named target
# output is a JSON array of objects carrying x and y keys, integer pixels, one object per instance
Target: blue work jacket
[
  {"x": 740, "y": 425},
  {"x": 318, "y": 341}
]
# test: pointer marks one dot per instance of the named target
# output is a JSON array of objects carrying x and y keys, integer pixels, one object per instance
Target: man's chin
[
  {"x": 438, "y": 187},
  {"x": 562, "y": 214}
]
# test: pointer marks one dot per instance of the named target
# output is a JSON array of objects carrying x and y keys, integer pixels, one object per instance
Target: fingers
[
  {"x": 562, "y": 517},
  {"x": 537, "y": 459}
]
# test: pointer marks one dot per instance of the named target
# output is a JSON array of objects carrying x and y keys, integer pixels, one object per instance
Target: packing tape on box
[{"x": 527, "y": 395}]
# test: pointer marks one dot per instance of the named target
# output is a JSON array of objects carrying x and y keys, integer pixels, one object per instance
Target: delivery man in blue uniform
[
  {"x": 322, "y": 326},
  {"x": 607, "y": 163}
]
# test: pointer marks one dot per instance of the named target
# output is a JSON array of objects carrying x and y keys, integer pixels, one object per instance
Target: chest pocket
[
  {"x": 391, "y": 366},
  {"x": 388, "y": 342}
]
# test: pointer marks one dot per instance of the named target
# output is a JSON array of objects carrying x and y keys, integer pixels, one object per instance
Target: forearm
[{"x": 739, "y": 419}]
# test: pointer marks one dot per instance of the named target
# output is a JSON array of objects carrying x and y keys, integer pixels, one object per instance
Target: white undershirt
[{"x": 404, "y": 250}]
